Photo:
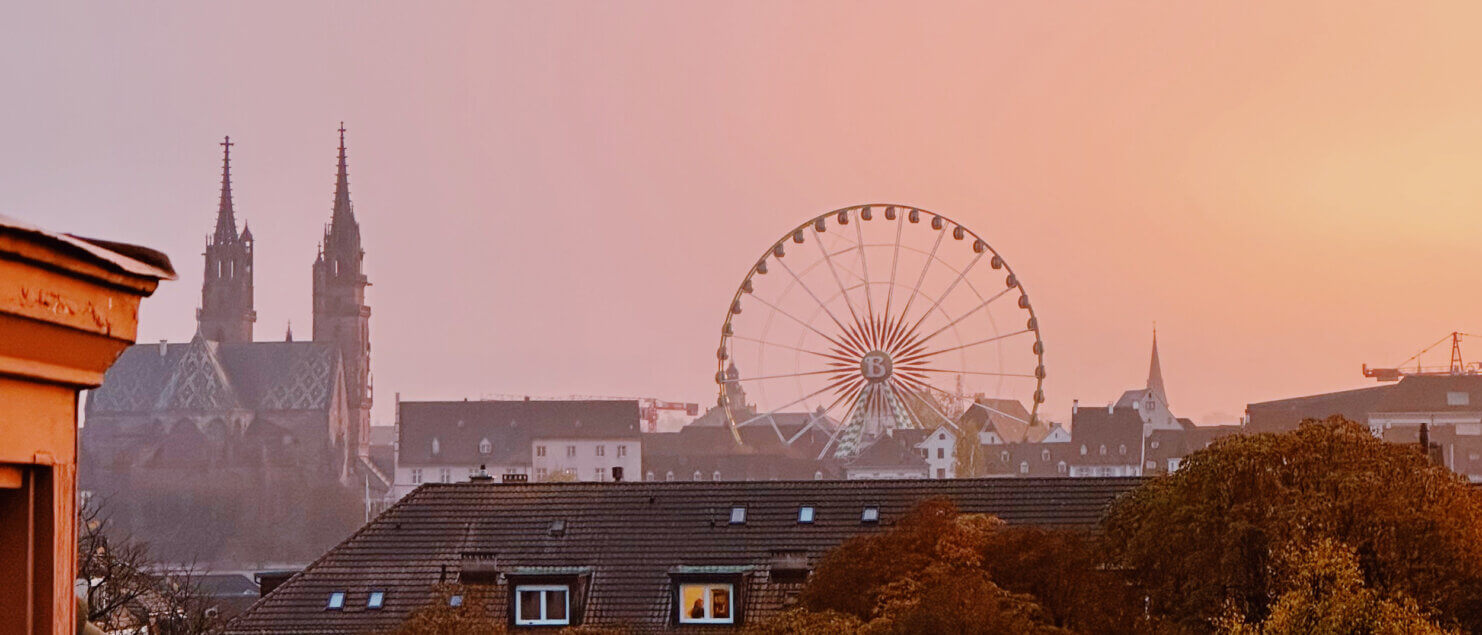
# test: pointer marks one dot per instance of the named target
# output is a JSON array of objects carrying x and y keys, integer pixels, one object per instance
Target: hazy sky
[{"x": 560, "y": 198}]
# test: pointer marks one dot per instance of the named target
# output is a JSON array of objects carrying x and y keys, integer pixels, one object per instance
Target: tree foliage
[
  {"x": 128, "y": 589},
  {"x": 1322, "y": 592},
  {"x": 1208, "y": 535},
  {"x": 440, "y": 617}
]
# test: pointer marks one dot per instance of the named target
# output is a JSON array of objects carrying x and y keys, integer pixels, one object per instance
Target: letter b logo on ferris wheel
[{"x": 875, "y": 366}]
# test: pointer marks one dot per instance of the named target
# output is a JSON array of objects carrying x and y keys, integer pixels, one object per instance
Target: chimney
[
  {"x": 510, "y": 479},
  {"x": 1075, "y": 406},
  {"x": 482, "y": 476},
  {"x": 617, "y": 474},
  {"x": 164, "y": 345}
]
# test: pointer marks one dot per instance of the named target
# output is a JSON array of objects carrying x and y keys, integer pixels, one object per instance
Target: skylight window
[
  {"x": 336, "y": 601},
  {"x": 376, "y": 600},
  {"x": 455, "y": 601},
  {"x": 738, "y": 515},
  {"x": 558, "y": 528},
  {"x": 805, "y": 514},
  {"x": 870, "y": 515}
]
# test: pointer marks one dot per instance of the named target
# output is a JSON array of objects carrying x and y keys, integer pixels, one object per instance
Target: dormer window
[
  {"x": 805, "y": 515},
  {"x": 1122, "y": 448},
  {"x": 1024, "y": 467},
  {"x": 1044, "y": 455},
  {"x": 542, "y": 605},
  {"x": 706, "y": 603},
  {"x": 1083, "y": 450},
  {"x": 485, "y": 447},
  {"x": 336, "y": 601},
  {"x": 1103, "y": 450}
]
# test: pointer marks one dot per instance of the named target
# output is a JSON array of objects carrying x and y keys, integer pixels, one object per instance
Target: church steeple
[
  {"x": 341, "y": 317},
  {"x": 226, "y": 220},
  {"x": 1155, "y": 373},
  {"x": 226, "y": 313}
]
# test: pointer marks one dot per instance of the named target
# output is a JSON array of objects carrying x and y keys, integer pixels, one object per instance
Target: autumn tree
[
  {"x": 924, "y": 575},
  {"x": 441, "y": 617},
  {"x": 1322, "y": 592},
  {"x": 1062, "y": 570},
  {"x": 1204, "y": 540}
]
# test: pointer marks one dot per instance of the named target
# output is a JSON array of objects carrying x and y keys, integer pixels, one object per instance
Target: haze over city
[{"x": 562, "y": 198}]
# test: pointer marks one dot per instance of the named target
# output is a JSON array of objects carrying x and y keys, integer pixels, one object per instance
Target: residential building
[
  {"x": 581, "y": 440},
  {"x": 640, "y": 556}
]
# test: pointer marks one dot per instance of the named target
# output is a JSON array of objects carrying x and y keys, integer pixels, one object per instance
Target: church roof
[{"x": 205, "y": 375}]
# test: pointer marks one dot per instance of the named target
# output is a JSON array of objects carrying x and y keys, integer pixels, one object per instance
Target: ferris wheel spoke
[
  {"x": 903, "y": 387},
  {"x": 828, "y": 356},
  {"x": 968, "y": 314},
  {"x": 895, "y": 259},
  {"x": 800, "y": 321},
  {"x": 933, "y": 353},
  {"x": 811, "y": 294},
  {"x": 937, "y": 305},
  {"x": 833, "y": 386},
  {"x": 832, "y": 371},
  {"x": 928, "y": 369},
  {"x": 818, "y": 240},
  {"x": 864, "y": 268},
  {"x": 926, "y": 266}
]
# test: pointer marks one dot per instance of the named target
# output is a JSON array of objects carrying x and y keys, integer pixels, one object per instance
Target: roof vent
[
  {"x": 516, "y": 478},
  {"x": 558, "y": 528}
]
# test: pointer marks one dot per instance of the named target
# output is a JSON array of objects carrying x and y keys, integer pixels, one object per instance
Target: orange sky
[{"x": 560, "y": 198}]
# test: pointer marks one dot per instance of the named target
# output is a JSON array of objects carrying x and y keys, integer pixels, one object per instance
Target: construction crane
[{"x": 1457, "y": 366}]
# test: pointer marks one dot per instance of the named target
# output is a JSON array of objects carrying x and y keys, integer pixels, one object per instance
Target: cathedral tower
[
  {"x": 341, "y": 316},
  {"x": 226, "y": 313}
]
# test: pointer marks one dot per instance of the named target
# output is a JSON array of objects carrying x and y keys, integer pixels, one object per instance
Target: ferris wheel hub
[{"x": 876, "y": 366}]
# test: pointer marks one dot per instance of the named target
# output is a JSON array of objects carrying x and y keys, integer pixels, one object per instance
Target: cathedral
[{"x": 234, "y": 452}]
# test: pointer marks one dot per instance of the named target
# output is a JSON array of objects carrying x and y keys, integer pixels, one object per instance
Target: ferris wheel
[{"x": 878, "y": 317}]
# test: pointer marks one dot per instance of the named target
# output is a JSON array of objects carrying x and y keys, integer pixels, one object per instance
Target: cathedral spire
[
  {"x": 226, "y": 220},
  {"x": 342, "y": 209},
  {"x": 1155, "y": 372}
]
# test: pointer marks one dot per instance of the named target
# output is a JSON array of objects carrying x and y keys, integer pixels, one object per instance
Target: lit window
[
  {"x": 542, "y": 604},
  {"x": 455, "y": 601},
  {"x": 601, "y": 450},
  {"x": 805, "y": 514},
  {"x": 738, "y": 515},
  {"x": 539, "y": 450},
  {"x": 571, "y": 451},
  {"x": 376, "y": 600},
  {"x": 416, "y": 475},
  {"x": 485, "y": 447},
  {"x": 870, "y": 515},
  {"x": 622, "y": 451},
  {"x": 708, "y": 603},
  {"x": 336, "y": 601}
]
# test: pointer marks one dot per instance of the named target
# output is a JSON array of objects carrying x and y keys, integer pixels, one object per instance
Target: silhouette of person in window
[{"x": 697, "y": 611}]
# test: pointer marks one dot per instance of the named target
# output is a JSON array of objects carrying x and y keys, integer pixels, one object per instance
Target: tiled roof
[
  {"x": 202, "y": 375},
  {"x": 633, "y": 536},
  {"x": 460, "y": 426}
]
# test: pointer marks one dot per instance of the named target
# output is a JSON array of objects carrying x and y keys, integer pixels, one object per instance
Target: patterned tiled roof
[
  {"x": 202, "y": 375},
  {"x": 626, "y": 542}
]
